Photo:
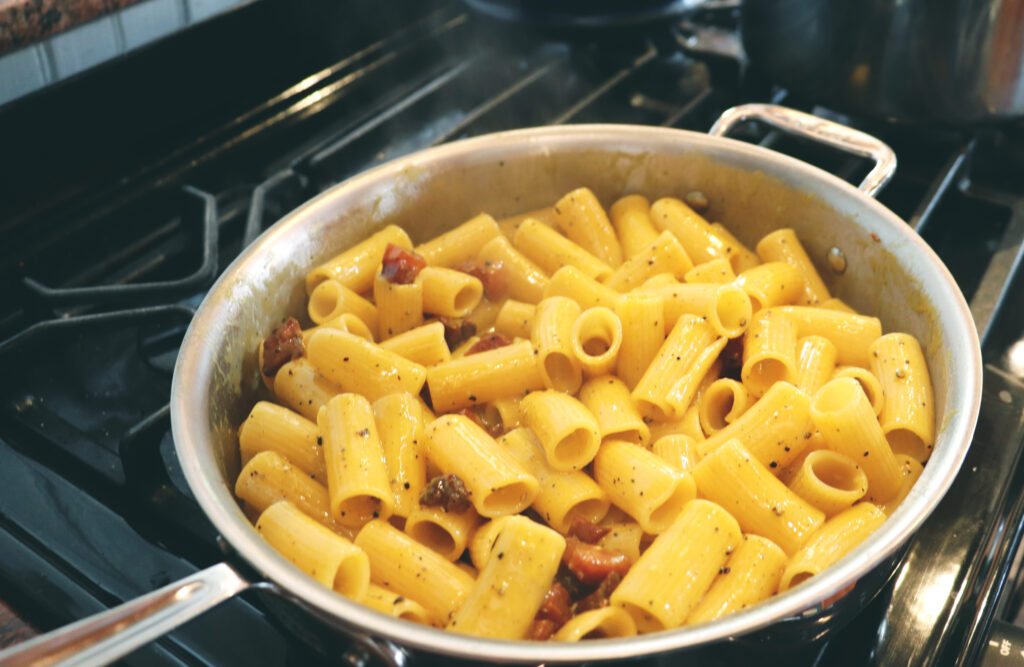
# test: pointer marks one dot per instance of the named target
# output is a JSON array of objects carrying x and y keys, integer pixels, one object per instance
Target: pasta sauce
[{"x": 579, "y": 422}]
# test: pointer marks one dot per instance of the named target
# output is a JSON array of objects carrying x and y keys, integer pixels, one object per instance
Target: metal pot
[
  {"x": 887, "y": 270},
  {"x": 945, "y": 61}
]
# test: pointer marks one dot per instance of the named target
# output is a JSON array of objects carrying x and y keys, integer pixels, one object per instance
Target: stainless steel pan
[{"x": 869, "y": 257}]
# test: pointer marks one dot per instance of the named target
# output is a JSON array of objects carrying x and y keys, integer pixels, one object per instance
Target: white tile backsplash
[
  {"x": 150, "y": 20},
  {"x": 201, "y": 9},
  {"x": 21, "y": 72},
  {"x": 84, "y": 46}
]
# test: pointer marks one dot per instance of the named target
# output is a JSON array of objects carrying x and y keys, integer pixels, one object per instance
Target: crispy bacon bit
[
  {"x": 448, "y": 491},
  {"x": 401, "y": 266},
  {"x": 282, "y": 345},
  {"x": 541, "y": 630},
  {"x": 456, "y": 331},
  {"x": 487, "y": 342},
  {"x": 592, "y": 564},
  {"x": 599, "y": 598},
  {"x": 570, "y": 583},
  {"x": 492, "y": 274},
  {"x": 585, "y": 530},
  {"x": 477, "y": 416},
  {"x": 556, "y": 606}
]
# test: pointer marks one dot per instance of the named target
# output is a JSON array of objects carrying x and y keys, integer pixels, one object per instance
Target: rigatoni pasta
[{"x": 632, "y": 399}]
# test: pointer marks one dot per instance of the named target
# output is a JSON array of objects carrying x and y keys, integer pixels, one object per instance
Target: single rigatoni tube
[
  {"x": 837, "y": 304},
  {"x": 843, "y": 414},
  {"x": 551, "y": 335},
  {"x": 509, "y": 225},
  {"x": 483, "y": 377},
  {"x": 658, "y": 281},
  {"x": 852, "y": 334},
  {"x": 698, "y": 374},
  {"x": 663, "y": 255},
  {"x": 643, "y": 331},
  {"x": 816, "y": 360},
  {"x": 642, "y": 484},
  {"x": 449, "y": 293},
  {"x": 722, "y": 403},
  {"x": 751, "y": 574},
  {"x": 330, "y": 299},
  {"x": 771, "y": 284},
  {"x": 357, "y": 477},
  {"x": 562, "y": 494},
  {"x": 482, "y": 541},
  {"x": 322, "y": 554},
  {"x": 344, "y": 322},
  {"x": 701, "y": 242},
  {"x": 569, "y": 282},
  {"x": 581, "y": 217},
  {"x": 910, "y": 472},
  {"x": 727, "y": 307},
  {"x": 740, "y": 256},
  {"x": 631, "y": 218},
  {"x": 689, "y": 338},
  {"x": 393, "y": 604},
  {"x": 268, "y": 477},
  {"x": 503, "y": 411},
  {"x": 526, "y": 280},
  {"x": 829, "y": 481},
  {"x": 400, "y": 426},
  {"x": 603, "y": 623},
  {"x": 782, "y": 245},
  {"x": 775, "y": 430},
  {"x": 716, "y": 271},
  {"x": 399, "y": 307},
  {"x": 361, "y": 367},
  {"x": 459, "y": 245},
  {"x": 623, "y": 536},
  {"x": 356, "y": 267},
  {"x": 769, "y": 352},
  {"x": 567, "y": 431},
  {"x": 424, "y": 345},
  {"x": 835, "y": 539},
  {"x": 733, "y": 478},
  {"x": 445, "y": 532},
  {"x": 908, "y": 411},
  {"x": 666, "y": 583},
  {"x": 510, "y": 589},
  {"x": 270, "y": 427},
  {"x": 871, "y": 385},
  {"x": 678, "y": 450},
  {"x": 484, "y": 315},
  {"x": 497, "y": 483},
  {"x": 551, "y": 251},
  {"x": 607, "y": 397},
  {"x": 515, "y": 319},
  {"x": 596, "y": 337},
  {"x": 413, "y": 570}
]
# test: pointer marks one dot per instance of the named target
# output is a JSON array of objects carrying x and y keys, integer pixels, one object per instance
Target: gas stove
[{"x": 129, "y": 188}]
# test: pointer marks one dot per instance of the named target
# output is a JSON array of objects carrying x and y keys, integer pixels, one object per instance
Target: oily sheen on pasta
[{"x": 578, "y": 422}]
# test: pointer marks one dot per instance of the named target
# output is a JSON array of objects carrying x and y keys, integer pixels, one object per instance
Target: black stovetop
[{"x": 126, "y": 190}]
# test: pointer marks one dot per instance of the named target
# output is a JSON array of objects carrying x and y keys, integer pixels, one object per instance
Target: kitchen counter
[{"x": 23, "y": 22}]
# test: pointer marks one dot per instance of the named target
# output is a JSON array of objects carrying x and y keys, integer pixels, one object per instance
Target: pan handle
[
  {"x": 109, "y": 635},
  {"x": 821, "y": 130}
]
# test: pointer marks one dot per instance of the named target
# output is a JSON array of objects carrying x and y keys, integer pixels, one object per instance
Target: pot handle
[
  {"x": 821, "y": 130},
  {"x": 109, "y": 635}
]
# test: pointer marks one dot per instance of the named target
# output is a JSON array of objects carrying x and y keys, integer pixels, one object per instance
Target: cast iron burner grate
[{"x": 110, "y": 264}]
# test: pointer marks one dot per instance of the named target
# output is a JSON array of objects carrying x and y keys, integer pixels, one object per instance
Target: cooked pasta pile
[{"x": 574, "y": 424}]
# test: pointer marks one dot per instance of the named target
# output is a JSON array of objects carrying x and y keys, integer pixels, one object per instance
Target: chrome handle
[
  {"x": 109, "y": 635},
  {"x": 819, "y": 129}
]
